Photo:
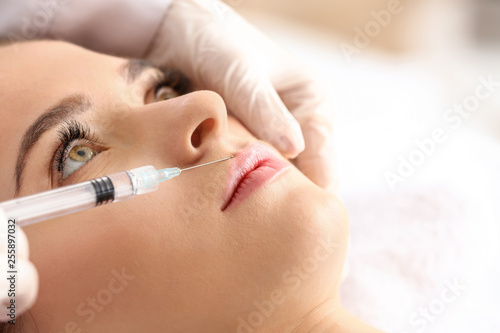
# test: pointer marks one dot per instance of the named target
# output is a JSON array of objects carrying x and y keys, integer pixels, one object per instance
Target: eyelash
[
  {"x": 70, "y": 132},
  {"x": 173, "y": 79}
]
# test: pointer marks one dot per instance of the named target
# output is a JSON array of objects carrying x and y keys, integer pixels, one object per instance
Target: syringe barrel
[
  {"x": 50, "y": 204},
  {"x": 69, "y": 199}
]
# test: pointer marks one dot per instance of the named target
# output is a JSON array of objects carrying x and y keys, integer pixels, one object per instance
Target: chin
[
  {"x": 323, "y": 224},
  {"x": 314, "y": 227}
]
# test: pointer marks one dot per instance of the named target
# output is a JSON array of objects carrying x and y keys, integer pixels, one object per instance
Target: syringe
[{"x": 92, "y": 193}]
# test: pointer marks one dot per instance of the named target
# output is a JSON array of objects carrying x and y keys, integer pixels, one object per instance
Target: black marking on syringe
[{"x": 104, "y": 190}]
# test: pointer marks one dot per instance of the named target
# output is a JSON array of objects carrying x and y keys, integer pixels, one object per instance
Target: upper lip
[{"x": 244, "y": 163}]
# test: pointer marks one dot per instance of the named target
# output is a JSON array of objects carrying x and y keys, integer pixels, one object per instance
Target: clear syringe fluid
[{"x": 96, "y": 192}]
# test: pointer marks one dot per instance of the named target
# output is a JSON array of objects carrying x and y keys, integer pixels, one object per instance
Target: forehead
[
  {"x": 33, "y": 77},
  {"x": 47, "y": 69}
]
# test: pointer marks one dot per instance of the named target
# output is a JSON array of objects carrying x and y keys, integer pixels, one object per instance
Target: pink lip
[{"x": 253, "y": 167}]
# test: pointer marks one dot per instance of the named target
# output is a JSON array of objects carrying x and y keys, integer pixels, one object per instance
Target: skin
[{"x": 186, "y": 265}]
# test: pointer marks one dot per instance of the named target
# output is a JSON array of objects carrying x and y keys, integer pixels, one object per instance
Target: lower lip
[{"x": 267, "y": 171}]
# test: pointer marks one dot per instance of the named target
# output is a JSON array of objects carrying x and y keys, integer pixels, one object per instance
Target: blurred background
[
  {"x": 457, "y": 39},
  {"x": 420, "y": 22},
  {"x": 399, "y": 71}
]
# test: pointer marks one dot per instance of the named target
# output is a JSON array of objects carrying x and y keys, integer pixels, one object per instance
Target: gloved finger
[
  {"x": 250, "y": 96},
  {"x": 18, "y": 291},
  {"x": 307, "y": 98},
  {"x": 257, "y": 104},
  {"x": 317, "y": 161}
]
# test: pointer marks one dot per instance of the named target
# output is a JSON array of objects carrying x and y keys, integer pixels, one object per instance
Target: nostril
[{"x": 200, "y": 132}]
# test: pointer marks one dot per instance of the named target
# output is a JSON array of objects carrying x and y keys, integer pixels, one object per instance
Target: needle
[{"x": 197, "y": 166}]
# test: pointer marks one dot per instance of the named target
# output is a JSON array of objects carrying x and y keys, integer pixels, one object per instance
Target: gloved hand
[
  {"x": 25, "y": 282},
  {"x": 220, "y": 51}
]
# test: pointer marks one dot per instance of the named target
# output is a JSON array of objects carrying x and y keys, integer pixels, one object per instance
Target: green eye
[
  {"x": 164, "y": 93},
  {"x": 77, "y": 157},
  {"x": 81, "y": 153}
]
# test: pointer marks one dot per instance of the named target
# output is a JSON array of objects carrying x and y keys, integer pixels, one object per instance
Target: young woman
[{"x": 246, "y": 245}]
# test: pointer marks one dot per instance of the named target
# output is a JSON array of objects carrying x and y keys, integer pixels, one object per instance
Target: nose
[{"x": 181, "y": 130}]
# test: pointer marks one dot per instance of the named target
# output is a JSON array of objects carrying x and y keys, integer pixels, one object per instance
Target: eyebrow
[
  {"x": 134, "y": 68},
  {"x": 64, "y": 110}
]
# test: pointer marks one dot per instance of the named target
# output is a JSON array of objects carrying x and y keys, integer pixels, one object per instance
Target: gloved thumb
[{"x": 19, "y": 285}]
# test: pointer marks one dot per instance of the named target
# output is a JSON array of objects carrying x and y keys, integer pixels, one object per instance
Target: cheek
[{"x": 77, "y": 256}]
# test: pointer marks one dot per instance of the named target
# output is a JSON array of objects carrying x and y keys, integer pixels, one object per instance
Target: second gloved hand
[
  {"x": 275, "y": 96},
  {"x": 18, "y": 290}
]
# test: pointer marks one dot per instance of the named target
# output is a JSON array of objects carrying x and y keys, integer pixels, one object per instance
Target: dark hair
[
  {"x": 21, "y": 325},
  {"x": 9, "y": 328},
  {"x": 7, "y": 42}
]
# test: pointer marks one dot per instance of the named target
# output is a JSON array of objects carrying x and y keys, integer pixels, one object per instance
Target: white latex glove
[
  {"x": 220, "y": 51},
  {"x": 26, "y": 278}
]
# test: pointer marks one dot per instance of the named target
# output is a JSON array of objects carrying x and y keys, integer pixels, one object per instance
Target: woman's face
[{"x": 175, "y": 259}]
